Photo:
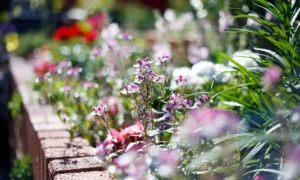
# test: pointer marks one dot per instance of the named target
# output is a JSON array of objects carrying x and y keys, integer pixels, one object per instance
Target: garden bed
[{"x": 42, "y": 135}]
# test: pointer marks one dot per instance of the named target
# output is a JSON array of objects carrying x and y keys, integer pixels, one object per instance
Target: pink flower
[
  {"x": 87, "y": 84},
  {"x": 67, "y": 89},
  {"x": 112, "y": 103},
  {"x": 43, "y": 67},
  {"x": 65, "y": 64},
  {"x": 258, "y": 177},
  {"x": 291, "y": 166},
  {"x": 188, "y": 103},
  {"x": 269, "y": 16},
  {"x": 168, "y": 161},
  {"x": 181, "y": 81},
  {"x": 224, "y": 21},
  {"x": 135, "y": 131},
  {"x": 201, "y": 100},
  {"x": 139, "y": 78},
  {"x": 160, "y": 79},
  {"x": 271, "y": 77},
  {"x": 208, "y": 123},
  {"x": 125, "y": 36},
  {"x": 131, "y": 165},
  {"x": 163, "y": 59},
  {"x": 175, "y": 101},
  {"x": 130, "y": 89},
  {"x": 96, "y": 51},
  {"x": 74, "y": 71},
  {"x": 143, "y": 65},
  {"x": 100, "y": 110}
]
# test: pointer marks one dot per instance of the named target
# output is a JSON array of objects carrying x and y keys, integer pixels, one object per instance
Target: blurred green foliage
[
  {"x": 30, "y": 41},
  {"x": 15, "y": 106},
  {"x": 22, "y": 169}
]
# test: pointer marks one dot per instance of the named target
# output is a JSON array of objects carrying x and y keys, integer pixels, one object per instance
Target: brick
[
  {"x": 68, "y": 165},
  {"x": 51, "y": 127},
  {"x": 59, "y": 153},
  {"x": 53, "y": 135},
  {"x": 64, "y": 142},
  {"x": 44, "y": 119},
  {"x": 55, "y": 153},
  {"x": 92, "y": 175}
]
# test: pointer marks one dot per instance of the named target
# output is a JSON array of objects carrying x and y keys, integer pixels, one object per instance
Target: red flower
[
  {"x": 67, "y": 32},
  {"x": 91, "y": 36},
  {"x": 96, "y": 21},
  {"x": 43, "y": 67}
]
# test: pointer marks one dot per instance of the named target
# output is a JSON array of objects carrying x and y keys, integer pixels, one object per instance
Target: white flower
[
  {"x": 251, "y": 22},
  {"x": 245, "y": 58},
  {"x": 183, "y": 71},
  {"x": 110, "y": 32},
  {"x": 161, "y": 50}
]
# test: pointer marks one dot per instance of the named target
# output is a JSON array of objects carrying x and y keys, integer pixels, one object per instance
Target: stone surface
[
  {"x": 53, "y": 135},
  {"x": 64, "y": 142},
  {"x": 50, "y": 127},
  {"x": 92, "y": 175},
  {"x": 67, "y": 165},
  {"x": 55, "y": 153}
]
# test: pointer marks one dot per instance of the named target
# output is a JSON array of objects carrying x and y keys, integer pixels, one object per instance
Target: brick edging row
[{"x": 46, "y": 139}]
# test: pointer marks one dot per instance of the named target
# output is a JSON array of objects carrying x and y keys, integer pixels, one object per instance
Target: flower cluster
[
  {"x": 208, "y": 123},
  {"x": 119, "y": 140}
]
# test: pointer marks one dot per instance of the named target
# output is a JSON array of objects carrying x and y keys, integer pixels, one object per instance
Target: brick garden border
[{"x": 46, "y": 139}]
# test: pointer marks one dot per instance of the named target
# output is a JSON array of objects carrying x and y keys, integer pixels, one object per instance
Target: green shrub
[{"x": 22, "y": 169}]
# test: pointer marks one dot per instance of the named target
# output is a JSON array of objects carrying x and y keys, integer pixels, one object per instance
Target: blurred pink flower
[
  {"x": 125, "y": 36},
  {"x": 188, "y": 103},
  {"x": 160, "y": 79},
  {"x": 74, "y": 71},
  {"x": 134, "y": 131},
  {"x": 112, "y": 102},
  {"x": 100, "y": 110},
  {"x": 176, "y": 101},
  {"x": 181, "y": 80},
  {"x": 208, "y": 123},
  {"x": 252, "y": 22},
  {"x": 87, "y": 84},
  {"x": 65, "y": 64},
  {"x": 164, "y": 59},
  {"x": 291, "y": 166},
  {"x": 96, "y": 51},
  {"x": 224, "y": 21},
  {"x": 258, "y": 177},
  {"x": 269, "y": 16},
  {"x": 201, "y": 100},
  {"x": 130, "y": 88},
  {"x": 168, "y": 162},
  {"x": 271, "y": 77},
  {"x": 143, "y": 65},
  {"x": 67, "y": 89}
]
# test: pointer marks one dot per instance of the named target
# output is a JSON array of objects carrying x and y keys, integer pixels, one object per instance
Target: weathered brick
[
  {"x": 64, "y": 142},
  {"x": 68, "y": 165},
  {"x": 55, "y": 153},
  {"x": 59, "y": 126},
  {"x": 53, "y": 135},
  {"x": 91, "y": 175},
  {"x": 64, "y": 152}
]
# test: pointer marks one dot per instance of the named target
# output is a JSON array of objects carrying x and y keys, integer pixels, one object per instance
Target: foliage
[
  {"x": 22, "y": 169},
  {"x": 16, "y": 108},
  {"x": 30, "y": 41}
]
